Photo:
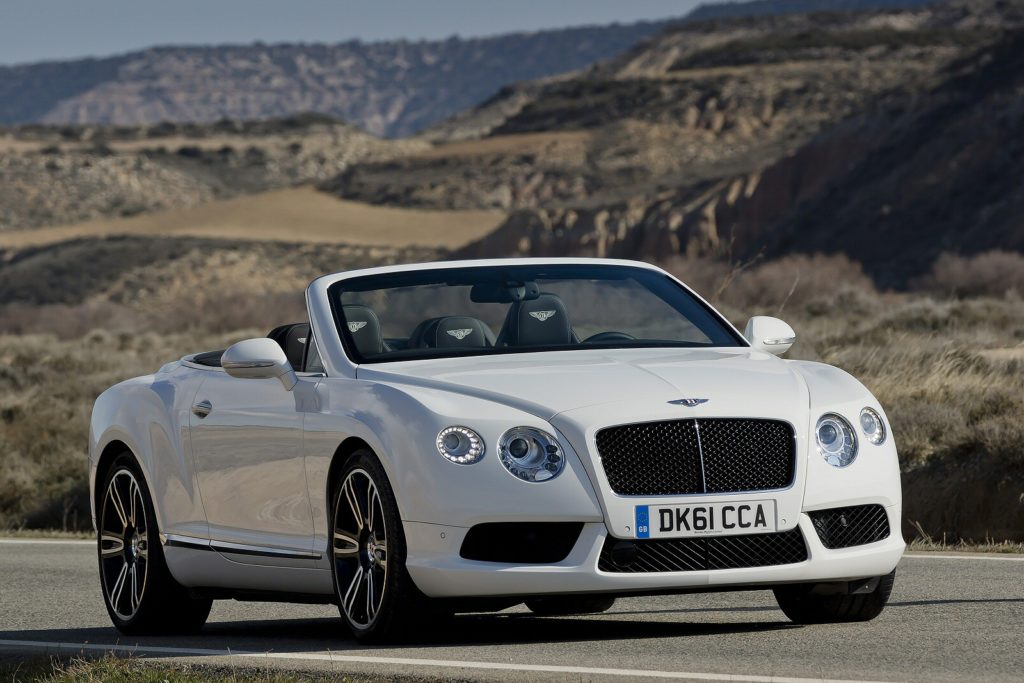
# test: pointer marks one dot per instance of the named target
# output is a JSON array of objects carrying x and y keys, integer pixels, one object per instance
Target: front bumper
[{"x": 437, "y": 569}]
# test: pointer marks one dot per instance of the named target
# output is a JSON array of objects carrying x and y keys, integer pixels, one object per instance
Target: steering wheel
[{"x": 611, "y": 335}]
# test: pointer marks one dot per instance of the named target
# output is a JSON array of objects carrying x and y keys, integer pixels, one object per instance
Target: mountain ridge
[{"x": 388, "y": 88}]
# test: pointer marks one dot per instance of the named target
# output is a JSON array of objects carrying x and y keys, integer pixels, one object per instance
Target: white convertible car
[{"x": 472, "y": 435}]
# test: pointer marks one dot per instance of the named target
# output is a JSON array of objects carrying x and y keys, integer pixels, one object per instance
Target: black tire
[
  {"x": 141, "y": 596},
  {"x": 804, "y": 607},
  {"x": 369, "y": 557},
  {"x": 565, "y": 605}
]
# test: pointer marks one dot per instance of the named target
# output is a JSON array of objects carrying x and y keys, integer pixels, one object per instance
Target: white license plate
[{"x": 705, "y": 519}]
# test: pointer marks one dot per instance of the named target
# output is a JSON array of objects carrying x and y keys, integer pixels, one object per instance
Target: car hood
[{"x": 617, "y": 385}]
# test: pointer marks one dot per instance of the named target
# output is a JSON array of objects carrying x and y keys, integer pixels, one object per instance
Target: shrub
[{"x": 992, "y": 273}]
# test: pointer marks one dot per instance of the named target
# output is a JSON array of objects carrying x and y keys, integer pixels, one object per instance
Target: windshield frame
[{"x": 450, "y": 274}]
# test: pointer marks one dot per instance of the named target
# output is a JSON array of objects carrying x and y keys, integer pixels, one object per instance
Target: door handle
[{"x": 202, "y": 409}]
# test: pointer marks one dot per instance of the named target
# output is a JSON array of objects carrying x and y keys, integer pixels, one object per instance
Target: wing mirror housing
[
  {"x": 769, "y": 334},
  {"x": 260, "y": 358}
]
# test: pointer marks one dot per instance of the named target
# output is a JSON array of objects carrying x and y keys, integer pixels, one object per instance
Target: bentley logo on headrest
[
  {"x": 689, "y": 402},
  {"x": 542, "y": 315},
  {"x": 461, "y": 334},
  {"x": 355, "y": 327}
]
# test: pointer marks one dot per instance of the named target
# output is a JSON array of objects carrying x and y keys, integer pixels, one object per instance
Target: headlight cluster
[
  {"x": 872, "y": 426},
  {"x": 528, "y": 453},
  {"x": 837, "y": 440},
  {"x": 461, "y": 445}
]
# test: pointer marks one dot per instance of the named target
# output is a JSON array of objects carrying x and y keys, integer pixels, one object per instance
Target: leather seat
[
  {"x": 543, "y": 321},
  {"x": 364, "y": 329},
  {"x": 292, "y": 340},
  {"x": 451, "y": 331}
]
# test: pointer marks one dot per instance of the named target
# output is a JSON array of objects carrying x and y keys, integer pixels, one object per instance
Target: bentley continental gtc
[{"x": 474, "y": 435}]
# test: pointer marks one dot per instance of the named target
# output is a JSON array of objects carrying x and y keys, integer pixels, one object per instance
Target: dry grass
[
  {"x": 948, "y": 371},
  {"x": 277, "y": 216},
  {"x": 113, "y": 669}
]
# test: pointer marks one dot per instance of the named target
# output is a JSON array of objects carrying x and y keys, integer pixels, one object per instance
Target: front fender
[
  {"x": 149, "y": 416},
  {"x": 874, "y": 476},
  {"x": 400, "y": 423}
]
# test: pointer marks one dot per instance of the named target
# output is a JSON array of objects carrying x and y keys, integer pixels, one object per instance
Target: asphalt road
[{"x": 950, "y": 619}]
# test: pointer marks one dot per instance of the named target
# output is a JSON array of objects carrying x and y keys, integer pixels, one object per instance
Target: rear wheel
[
  {"x": 375, "y": 594},
  {"x": 803, "y": 606},
  {"x": 140, "y": 594},
  {"x": 563, "y": 605}
]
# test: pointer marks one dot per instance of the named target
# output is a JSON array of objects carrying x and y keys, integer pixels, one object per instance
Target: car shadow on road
[{"x": 318, "y": 635}]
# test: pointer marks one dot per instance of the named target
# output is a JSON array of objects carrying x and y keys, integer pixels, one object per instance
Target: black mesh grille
[
  {"x": 850, "y": 526},
  {"x": 664, "y": 458},
  {"x": 698, "y": 554}
]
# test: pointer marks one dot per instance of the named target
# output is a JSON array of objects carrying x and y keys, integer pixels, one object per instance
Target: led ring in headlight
[
  {"x": 530, "y": 454},
  {"x": 460, "y": 445},
  {"x": 836, "y": 439},
  {"x": 872, "y": 426}
]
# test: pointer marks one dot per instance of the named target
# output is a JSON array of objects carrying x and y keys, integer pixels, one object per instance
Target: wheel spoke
[
  {"x": 133, "y": 490},
  {"x": 352, "y": 545},
  {"x": 381, "y": 556},
  {"x": 113, "y": 550},
  {"x": 352, "y": 593},
  {"x": 135, "y": 587},
  {"x": 143, "y": 550},
  {"x": 115, "y": 500},
  {"x": 118, "y": 589},
  {"x": 371, "y": 496},
  {"x": 371, "y": 609},
  {"x": 352, "y": 497}
]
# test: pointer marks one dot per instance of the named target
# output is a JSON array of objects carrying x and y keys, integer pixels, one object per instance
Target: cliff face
[
  {"x": 900, "y": 171},
  {"x": 388, "y": 88}
]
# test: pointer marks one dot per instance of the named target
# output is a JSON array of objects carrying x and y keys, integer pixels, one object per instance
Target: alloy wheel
[
  {"x": 360, "y": 549},
  {"x": 124, "y": 544}
]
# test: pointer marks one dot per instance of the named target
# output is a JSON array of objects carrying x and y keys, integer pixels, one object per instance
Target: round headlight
[
  {"x": 837, "y": 441},
  {"x": 461, "y": 445},
  {"x": 872, "y": 426},
  {"x": 530, "y": 454}
]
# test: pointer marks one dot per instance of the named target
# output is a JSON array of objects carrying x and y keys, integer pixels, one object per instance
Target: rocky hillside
[
  {"x": 387, "y": 88},
  {"x": 887, "y": 135},
  {"x": 62, "y": 175}
]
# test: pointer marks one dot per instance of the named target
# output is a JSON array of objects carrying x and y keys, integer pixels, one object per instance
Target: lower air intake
[
  {"x": 521, "y": 542},
  {"x": 701, "y": 554},
  {"x": 850, "y": 526}
]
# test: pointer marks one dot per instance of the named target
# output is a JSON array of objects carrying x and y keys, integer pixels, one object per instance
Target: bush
[{"x": 992, "y": 273}]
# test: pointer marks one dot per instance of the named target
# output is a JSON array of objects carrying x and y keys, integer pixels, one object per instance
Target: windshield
[{"x": 516, "y": 309}]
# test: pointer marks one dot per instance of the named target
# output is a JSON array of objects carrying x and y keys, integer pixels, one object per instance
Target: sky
[{"x": 43, "y": 30}]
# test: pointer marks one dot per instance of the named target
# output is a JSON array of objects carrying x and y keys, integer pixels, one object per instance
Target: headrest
[
  {"x": 295, "y": 344},
  {"x": 459, "y": 331},
  {"x": 292, "y": 340},
  {"x": 539, "y": 322},
  {"x": 364, "y": 327}
]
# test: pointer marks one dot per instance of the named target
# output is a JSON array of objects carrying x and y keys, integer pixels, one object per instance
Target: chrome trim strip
[
  {"x": 246, "y": 364},
  {"x": 192, "y": 543},
  {"x": 776, "y": 341},
  {"x": 262, "y": 551}
]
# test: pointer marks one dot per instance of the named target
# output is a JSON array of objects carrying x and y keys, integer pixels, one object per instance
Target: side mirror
[
  {"x": 769, "y": 334},
  {"x": 260, "y": 358}
]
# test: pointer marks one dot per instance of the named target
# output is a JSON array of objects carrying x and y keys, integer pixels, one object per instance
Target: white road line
[
  {"x": 410, "y": 661},
  {"x": 932, "y": 556},
  {"x": 44, "y": 541}
]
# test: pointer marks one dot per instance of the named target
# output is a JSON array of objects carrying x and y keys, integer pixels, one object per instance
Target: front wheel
[
  {"x": 375, "y": 594},
  {"x": 803, "y": 606},
  {"x": 141, "y": 596}
]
